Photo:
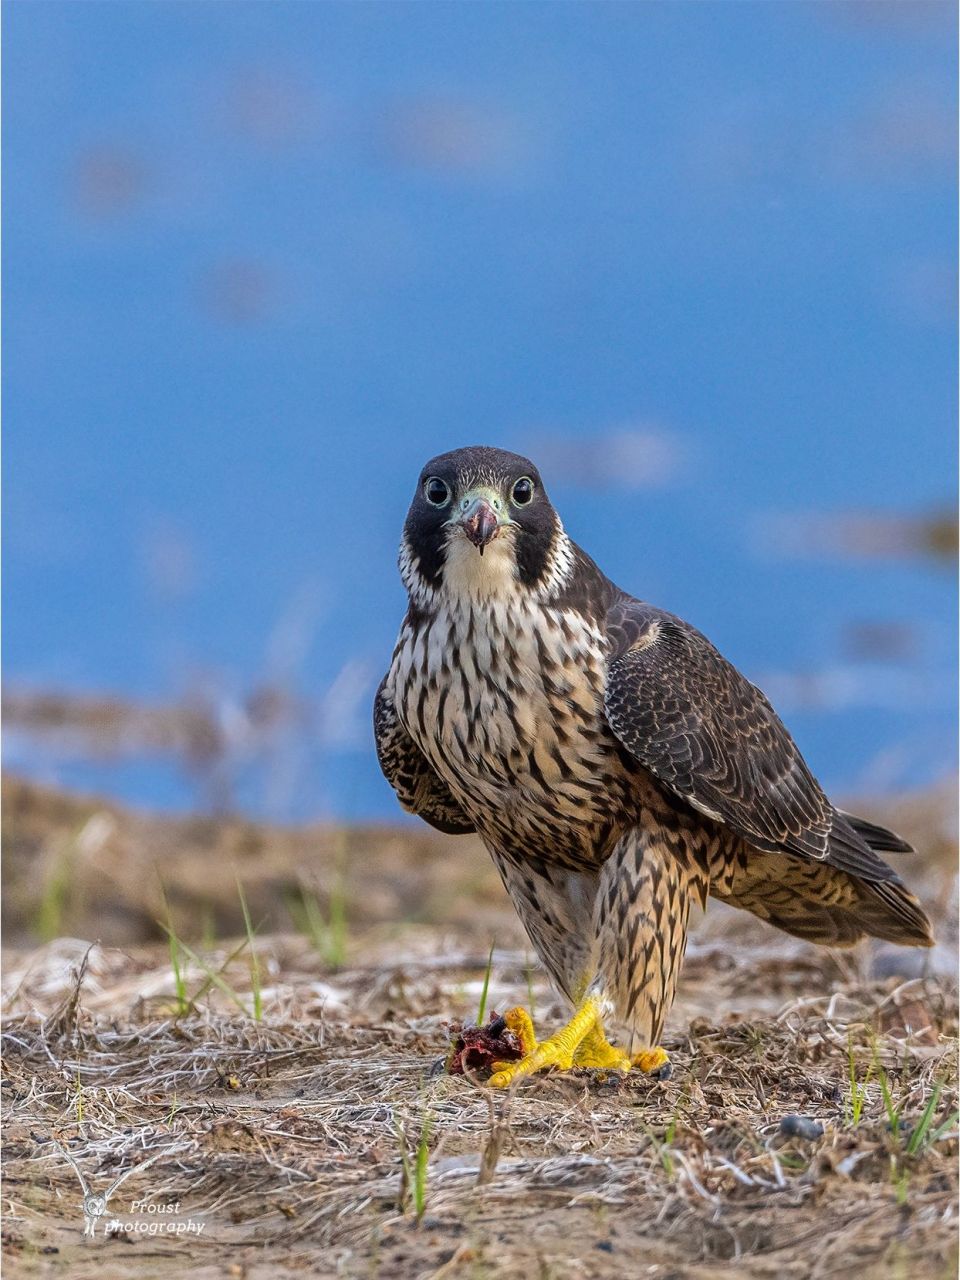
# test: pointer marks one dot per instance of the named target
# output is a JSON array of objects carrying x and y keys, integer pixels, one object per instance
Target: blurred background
[{"x": 262, "y": 260}]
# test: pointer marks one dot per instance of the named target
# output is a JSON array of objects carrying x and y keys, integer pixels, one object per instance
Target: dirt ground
[{"x": 323, "y": 1137}]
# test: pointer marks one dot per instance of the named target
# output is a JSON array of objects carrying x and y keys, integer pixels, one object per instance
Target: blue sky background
[{"x": 262, "y": 260}]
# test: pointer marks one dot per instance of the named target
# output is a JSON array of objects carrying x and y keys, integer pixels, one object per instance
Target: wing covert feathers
[{"x": 712, "y": 737}]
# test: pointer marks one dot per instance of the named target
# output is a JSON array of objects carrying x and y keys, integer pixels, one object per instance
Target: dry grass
[{"x": 289, "y": 1136}]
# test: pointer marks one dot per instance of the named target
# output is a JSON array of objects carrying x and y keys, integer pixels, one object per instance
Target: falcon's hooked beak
[{"x": 481, "y": 516}]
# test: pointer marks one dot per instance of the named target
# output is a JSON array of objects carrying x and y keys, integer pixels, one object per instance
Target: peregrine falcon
[{"x": 614, "y": 764}]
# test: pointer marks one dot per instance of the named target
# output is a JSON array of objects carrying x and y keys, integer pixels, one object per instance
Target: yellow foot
[
  {"x": 651, "y": 1060},
  {"x": 521, "y": 1024},
  {"x": 580, "y": 1043},
  {"x": 595, "y": 1050}
]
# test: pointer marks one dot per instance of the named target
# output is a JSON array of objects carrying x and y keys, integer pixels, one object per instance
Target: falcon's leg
[
  {"x": 556, "y": 906},
  {"x": 613, "y": 943},
  {"x": 642, "y": 908}
]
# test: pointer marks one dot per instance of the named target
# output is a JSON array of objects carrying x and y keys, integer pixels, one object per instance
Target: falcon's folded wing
[
  {"x": 419, "y": 789},
  {"x": 713, "y": 739}
]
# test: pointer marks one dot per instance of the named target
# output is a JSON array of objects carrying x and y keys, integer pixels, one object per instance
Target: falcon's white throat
[
  {"x": 494, "y": 576},
  {"x": 490, "y": 576}
]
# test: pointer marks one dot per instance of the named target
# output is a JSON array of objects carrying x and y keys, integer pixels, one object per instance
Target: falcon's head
[{"x": 480, "y": 525}]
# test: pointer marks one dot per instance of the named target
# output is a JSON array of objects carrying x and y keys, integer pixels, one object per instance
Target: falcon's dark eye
[
  {"x": 523, "y": 491},
  {"x": 436, "y": 491}
]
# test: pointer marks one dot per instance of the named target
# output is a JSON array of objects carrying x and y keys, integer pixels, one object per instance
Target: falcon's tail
[
  {"x": 886, "y": 908},
  {"x": 890, "y": 911},
  {"x": 879, "y": 839}
]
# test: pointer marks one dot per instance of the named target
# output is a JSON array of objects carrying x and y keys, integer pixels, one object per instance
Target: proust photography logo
[
  {"x": 154, "y": 1218},
  {"x": 142, "y": 1217}
]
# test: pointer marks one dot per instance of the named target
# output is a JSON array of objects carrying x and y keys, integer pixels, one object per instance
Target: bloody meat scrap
[{"x": 478, "y": 1048}]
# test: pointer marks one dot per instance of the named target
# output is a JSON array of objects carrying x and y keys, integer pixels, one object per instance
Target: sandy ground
[{"x": 289, "y": 1143}]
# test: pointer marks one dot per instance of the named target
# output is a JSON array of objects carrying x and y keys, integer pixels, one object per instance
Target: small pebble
[
  {"x": 801, "y": 1127},
  {"x": 902, "y": 1128}
]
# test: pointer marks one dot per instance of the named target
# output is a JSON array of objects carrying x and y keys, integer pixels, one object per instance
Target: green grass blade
[
  {"x": 406, "y": 1173},
  {"x": 213, "y": 976},
  {"x": 893, "y": 1115},
  {"x": 858, "y": 1091},
  {"x": 481, "y": 1012},
  {"x": 338, "y": 919},
  {"x": 944, "y": 1128},
  {"x": 919, "y": 1134},
  {"x": 184, "y": 1004},
  {"x": 327, "y": 936},
  {"x": 420, "y": 1169},
  {"x": 254, "y": 959}
]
